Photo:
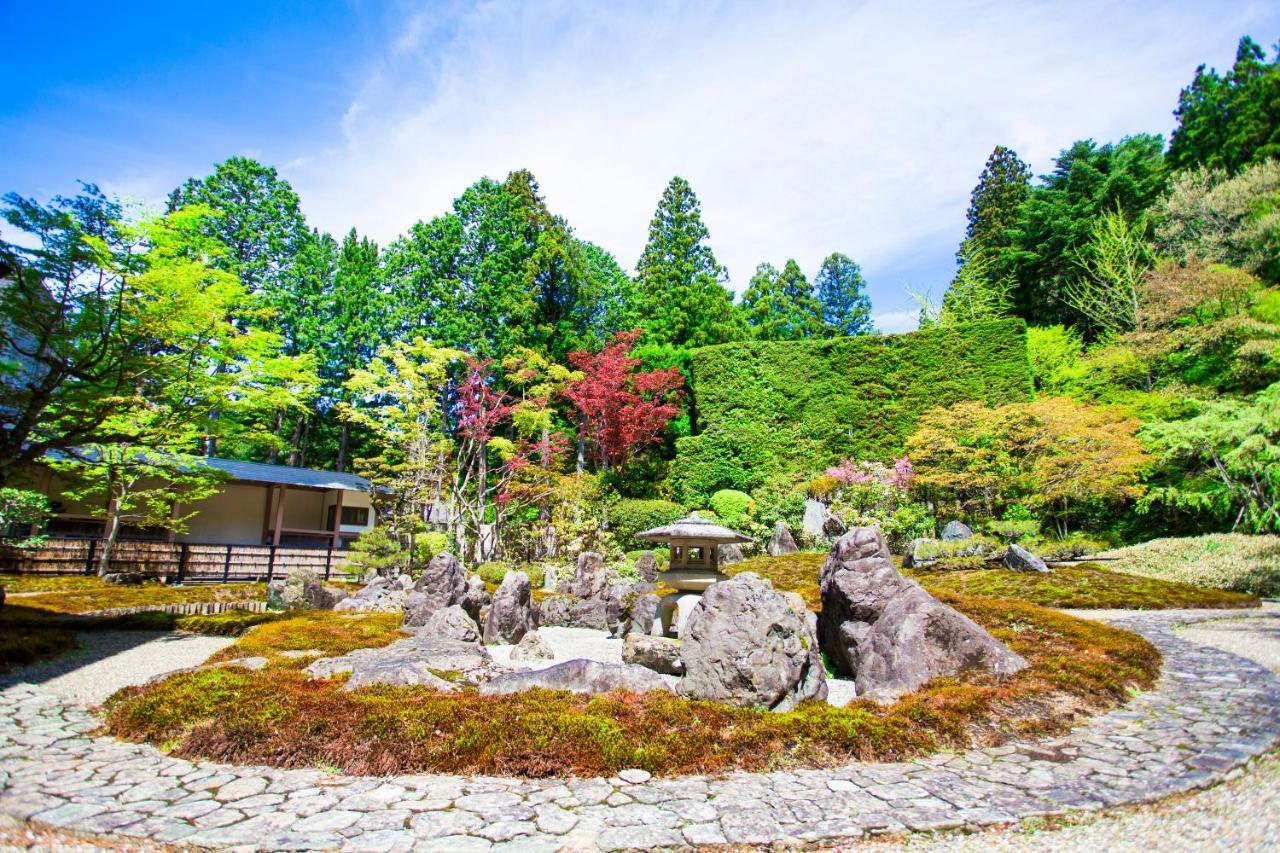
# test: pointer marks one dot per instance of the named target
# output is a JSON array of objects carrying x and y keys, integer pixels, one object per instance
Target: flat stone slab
[{"x": 1210, "y": 712}]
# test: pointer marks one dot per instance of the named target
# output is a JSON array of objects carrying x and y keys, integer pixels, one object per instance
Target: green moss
[
  {"x": 88, "y": 594},
  {"x": 790, "y": 408}
]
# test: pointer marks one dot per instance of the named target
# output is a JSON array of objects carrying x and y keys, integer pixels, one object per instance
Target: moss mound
[
  {"x": 1231, "y": 561},
  {"x": 277, "y": 716}
]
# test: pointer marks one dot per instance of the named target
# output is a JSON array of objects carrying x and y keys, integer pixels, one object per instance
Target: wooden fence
[{"x": 175, "y": 562}]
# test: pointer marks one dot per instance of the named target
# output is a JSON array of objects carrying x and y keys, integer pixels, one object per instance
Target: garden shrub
[
  {"x": 630, "y": 516},
  {"x": 732, "y": 506},
  {"x": 977, "y": 545},
  {"x": 769, "y": 408},
  {"x": 493, "y": 572},
  {"x": 1233, "y": 561}
]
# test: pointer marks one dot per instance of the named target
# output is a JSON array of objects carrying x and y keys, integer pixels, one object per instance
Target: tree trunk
[
  {"x": 295, "y": 441},
  {"x": 111, "y": 532},
  {"x": 344, "y": 435},
  {"x": 273, "y": 455}
]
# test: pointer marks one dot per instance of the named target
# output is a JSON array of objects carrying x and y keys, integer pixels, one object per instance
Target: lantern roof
[{"x": 694, "y": 528}]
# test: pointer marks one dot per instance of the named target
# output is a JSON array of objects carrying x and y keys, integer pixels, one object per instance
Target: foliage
[
  {"x": 1086, "y": 586},
  {"x": 1227, "y": 121},
  {"x": 277, "y": 716},
  {"x": 781, "y": 306},
  {"x": 771, "y": 409},
  {"x": 1052, "y": 350},
  {"x": 1224, "y": 219},
  {"x": 682, "y": 299},
  {"x": 22, "y": 508},
  {"x": 630, "y": 516},
  {"x": 844, "y": 304},
  {"x": 378, "y": 551},
  {"x": 1114, "y": 261},
  {"x": 622, "y": 410},
  {"x": 977, "y": 545},
  {"x": 1230, "y": 456},
  {"x": 1232, "y": 561},
  {"x": 732, "y": 506}
]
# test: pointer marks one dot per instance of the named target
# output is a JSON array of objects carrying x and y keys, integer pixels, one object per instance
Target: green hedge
[
  {"x": 630, "y": 516},
  {"x": 794, "y": 407}
]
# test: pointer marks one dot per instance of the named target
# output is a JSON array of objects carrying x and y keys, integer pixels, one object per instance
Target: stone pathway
[{"x": 1210, "y": 712}]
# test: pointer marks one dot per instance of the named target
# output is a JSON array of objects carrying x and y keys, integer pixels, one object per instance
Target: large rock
[
  {"x": 647, "y": 566},
  {"x": 416, "y": 660},
  {"x": 746, "y": 644},
  {"x": 532, "y": 647},
  {"x": 644, "y": 611},
  {"x": 554, "y": 611},
  {"x": 304, "y": 590},
  {"x": 443, "y": 579},
  {"x": 590, "y": 580},
  {"x": 782, "y": 542},
  {"x": 1021, "y": 560},
  {"x": 379, "y": 595},
  {"x": 815, "y": 518},
  {"x": 579, "y": 676},
  {"x": 476, "y": 598},
  {"x": 511, "y": 614},
  {"x": 450, "y": 623},
  {"x": 728, "y": 555},
  {"x": 617, "y": 605},
  {"x": 955, "y": 530},
  {"x": 887, "y": 632},
  {"x": 656, "y": 653}
]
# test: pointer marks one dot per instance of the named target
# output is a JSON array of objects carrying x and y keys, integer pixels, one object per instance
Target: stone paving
[{"x": 1211, "y": 712}]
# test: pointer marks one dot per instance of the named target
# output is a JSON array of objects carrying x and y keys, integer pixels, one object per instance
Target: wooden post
[
  {"x": 337, "y": 521},
  {"x": 88, "y": 560},
  {"x": 275, "y": 534},
  {"x": 266, "y": 514},
  {"x": 226, "y": 566},
  {"x": 183, "y": 555}
]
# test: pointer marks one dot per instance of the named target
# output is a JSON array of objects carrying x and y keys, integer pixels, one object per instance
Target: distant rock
[
  {"x": 443, "y": 580},
  {"x": 729, "y": 555},
  {"x": 647, "y": 566},
  {"x": 815, "y": 518},
  {"x": 304, "y": 590},
  {"x": 379, "y": 595},
  {"x": 1021, "y": 560},
  {"x": 656, "y": 653},
  {"x": 644, "y": 612},
  {"x": 591, "y": 579},
  {"x": 476, "y": 599},
  {"x": 123, "y": 578},
  {"x": 511, "y": 613},
  {"x": 592, "y": 613},
  {"x": 887, "y": 632},
  {"x": 450, "y": 623},
  {"x": 532, "y": 647},
  {"x": 747, "y": 644},
  {"x": 579, "y": 676},
  {"x": 955, "y": 530},
  {"x": 417, "y": 660},
  {"x": 782, "y": 542}
]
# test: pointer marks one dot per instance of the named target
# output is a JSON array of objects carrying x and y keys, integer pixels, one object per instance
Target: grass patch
[
  {"x": 1085, "y": 586},
  {"x": 276, "y": 716},
  {"x": 791, "y": 572},
  {"x": 96, "y": 595},
  {"x": 1231, "y": 561}
]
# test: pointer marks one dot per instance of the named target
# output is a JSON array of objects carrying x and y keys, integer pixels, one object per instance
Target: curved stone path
[{"x": 1210, "y": 712}]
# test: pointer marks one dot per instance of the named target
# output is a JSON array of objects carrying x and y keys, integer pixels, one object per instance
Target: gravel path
[{"x": 109, "y": 660}]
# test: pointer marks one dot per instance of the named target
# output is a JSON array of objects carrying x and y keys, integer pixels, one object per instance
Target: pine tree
[
  {"x": 682, "y": 297},
  {"x": 1005, "y": 181},
  {"x": 846, "y": 309},
  {"x": 780, "y": 306}
]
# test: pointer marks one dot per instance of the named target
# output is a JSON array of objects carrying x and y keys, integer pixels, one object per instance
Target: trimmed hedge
[
  {"x": 790, "y": 407},
  {"x": 631, "y": 516}
]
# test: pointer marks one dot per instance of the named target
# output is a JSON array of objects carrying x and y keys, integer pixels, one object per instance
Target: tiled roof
[{"x": 260, "y": 472}]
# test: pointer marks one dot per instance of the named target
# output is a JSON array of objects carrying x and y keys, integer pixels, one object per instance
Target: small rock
[
  {"x": 782, "y": 542},
  {"x": 647, "y": 566},
  {"x": 955, "y": 530},
  {"x": 656, "y": 653},
  {"x": 729, "y": 555},
  {"x": 532, "y": 647},
  {"x": 579, "y": 676},
  {"x": 451, "y": 623},
  {"x": 634, "y": 776},
  {"x": 123, "y": 578},
  {"x": 246, "y": 663},
  {"x": 1021, "y": 560}
]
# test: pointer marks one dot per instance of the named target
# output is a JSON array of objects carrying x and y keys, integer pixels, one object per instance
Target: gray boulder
[
  {"x": 123, "y": 578},
  {"x": 644, "y": 612},
  {"x": 782, "y": 542},
  {"x": 449, "y": 623},
  {"x": 914, "y": 553},
  {"x": 887, "y": 632},
  {"x": 304, "y": 590},
  {"x": 443, "y": 579},
  {"x": 746, "y": 644},
  {"x": 656, "y": 653},
  {"x": 417, "y": 660},
  {"x": 815, "y": 518},
  {"x": 476, "y": 598},
  {"x": 579, "y": 676},
  {"x": 956, "y": 530},
  {"x": 728, "y": 555},
  {"x": 592, "y": 613},
  {"x": 554, "y": 610},
  {"x": 1021, "y": 560},
  {"x": 617, "y": 604},
  {"x": 532, "y": 647},
  {"x": 511, "y": 614},
  {"x": 590, "y": 580},
  {"x": 380, "y": 595},
  {"x": 647, "y": 566}
]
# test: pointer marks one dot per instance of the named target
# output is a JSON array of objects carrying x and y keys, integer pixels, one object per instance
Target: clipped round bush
[
  {"x": 632, "y": 515},
  {"x": 732, "y": 505},
  {"x": 492, "y": 572}
]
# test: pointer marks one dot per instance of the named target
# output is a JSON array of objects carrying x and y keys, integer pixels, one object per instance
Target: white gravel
[{"x": 109, "y": 660}]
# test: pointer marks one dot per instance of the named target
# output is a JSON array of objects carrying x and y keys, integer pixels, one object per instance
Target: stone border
[{"x": 1210, "y": 712}]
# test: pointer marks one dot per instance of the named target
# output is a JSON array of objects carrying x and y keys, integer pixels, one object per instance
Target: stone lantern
[{"x": 694, "y": 564}]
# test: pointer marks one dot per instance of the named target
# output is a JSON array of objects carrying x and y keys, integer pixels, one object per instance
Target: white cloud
[
  {"x": 804, "y": 129},
  {"x": 892, "y": 322}
]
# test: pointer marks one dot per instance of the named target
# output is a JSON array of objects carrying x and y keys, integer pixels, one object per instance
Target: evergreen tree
[
  {"x": 993, "y": 205},
  {"x": 607, "y": 299},
  {"x": 780, "y": 306},
  {"x": 846, "y": 309},
  {"x": 1229, "y": 121},
  {"x": 682, "y": 296}
]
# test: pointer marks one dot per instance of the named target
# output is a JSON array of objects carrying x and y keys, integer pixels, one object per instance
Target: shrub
[
  {"x": 630, "y": 516},
  {"x": 1011, "y": 530},
  {"x": 1232, "y": 561},
  {"x": 909, "y": 521},
  {"x": 492, "y": 573},
  {"x": 975, "y": 546},
  {"x": 732, "y": 506},
  {"x": 1071, "y": 547}
]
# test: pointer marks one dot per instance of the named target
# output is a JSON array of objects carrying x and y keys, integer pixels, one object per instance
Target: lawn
[
  {"x": 277, "y": 716},
  {"x": 1088, "y": 585},
  {"x": 1232, "y": 561}
]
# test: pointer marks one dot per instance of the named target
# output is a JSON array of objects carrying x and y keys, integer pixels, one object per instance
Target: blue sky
[{"x": 804, "y": 128}]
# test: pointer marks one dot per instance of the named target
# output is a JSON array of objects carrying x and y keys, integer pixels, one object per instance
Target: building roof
[
  {"x": 694, "y": 528},
  {"x": 260, "y": 472}
]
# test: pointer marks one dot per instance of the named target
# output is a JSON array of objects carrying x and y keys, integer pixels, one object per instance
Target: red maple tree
[{"x": 622, "y": 410}]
